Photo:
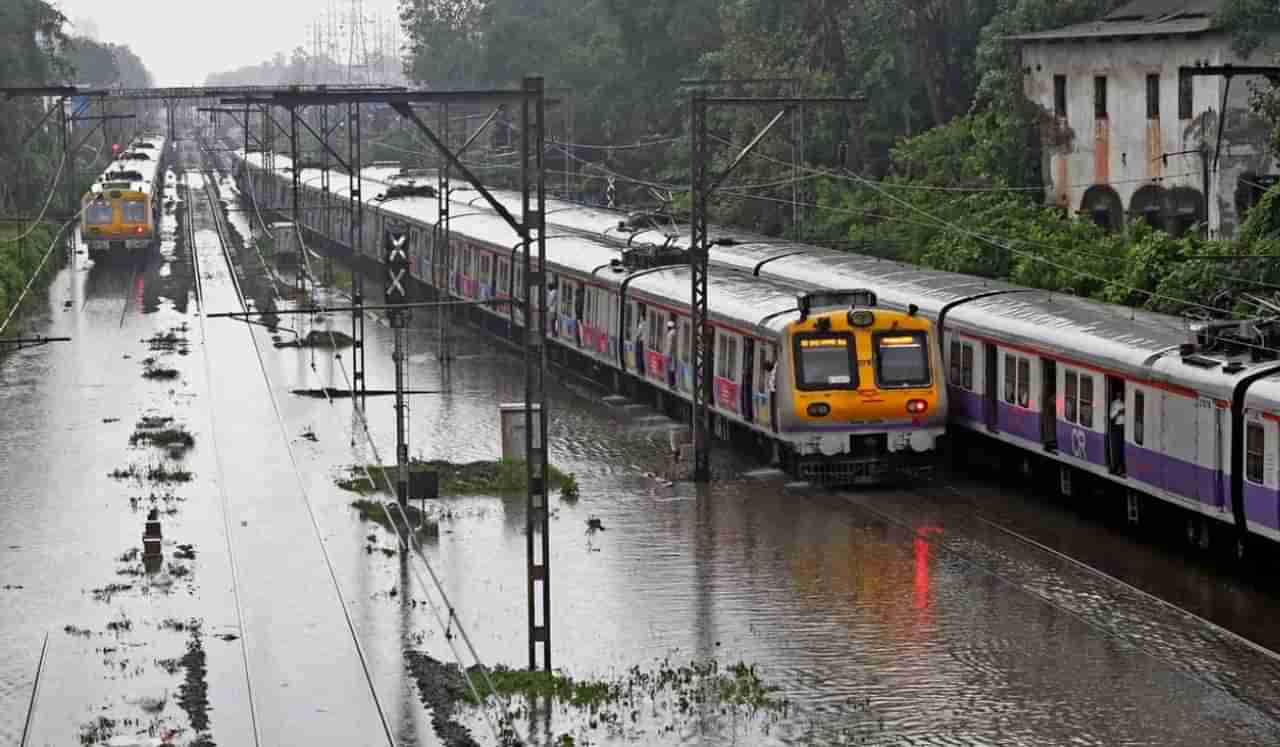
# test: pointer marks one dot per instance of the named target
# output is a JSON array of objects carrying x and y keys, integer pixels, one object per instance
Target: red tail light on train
[{"x": 917, "y": 406}]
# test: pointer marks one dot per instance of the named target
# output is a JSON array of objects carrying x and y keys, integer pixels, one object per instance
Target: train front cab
[
  {"x": 118, "y": 218},
  {"x": 862, "y": 394}
]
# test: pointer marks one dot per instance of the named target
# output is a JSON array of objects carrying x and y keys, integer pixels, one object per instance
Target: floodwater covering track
[
  {"x": 290, "y": 608},
  {"x": 951, "y": 516}
]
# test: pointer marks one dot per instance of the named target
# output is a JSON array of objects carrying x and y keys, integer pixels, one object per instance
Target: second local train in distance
[
  {"x": 120, "y": 213},
  {"x": 842, "y": 388}
]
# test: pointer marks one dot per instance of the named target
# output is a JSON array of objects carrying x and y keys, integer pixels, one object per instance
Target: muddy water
[{"x": 890, "y": 615}]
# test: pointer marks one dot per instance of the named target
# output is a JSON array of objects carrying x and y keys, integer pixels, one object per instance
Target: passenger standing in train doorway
[
  {"x": 553, "y": 309},
  {"x": 640, "y": 325},
  {"x": 1116, "y": 432},
  {"x": 671, "y": 353}
]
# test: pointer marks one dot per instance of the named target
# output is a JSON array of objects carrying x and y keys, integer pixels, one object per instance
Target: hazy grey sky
[{"x": 182, "y": 41}]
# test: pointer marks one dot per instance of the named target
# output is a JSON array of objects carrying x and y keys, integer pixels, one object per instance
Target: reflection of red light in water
[
  {"x": 921, "y": 546},
  {"x": 139, "y": 288}
]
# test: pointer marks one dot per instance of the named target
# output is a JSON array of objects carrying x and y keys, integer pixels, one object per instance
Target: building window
[
  {"x": 1255, "y": 448},
  {"x": 1184, "y": 97},
  {"x": 1153, "y": 97},
  {"x": 1139, "y": 416},
  {"x": 1100, "y": 97},
  {"x": 1060, "y": 96}
]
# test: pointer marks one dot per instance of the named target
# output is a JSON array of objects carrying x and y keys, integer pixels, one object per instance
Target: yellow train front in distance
[
  {"x": 864, "y": 393},
  {"x": 120, "y": 213}
]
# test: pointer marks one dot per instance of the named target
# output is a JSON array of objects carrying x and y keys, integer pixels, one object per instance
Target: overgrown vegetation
[
  {"x": 659, "y": 698},
  {"x": 471, "y": 478}
]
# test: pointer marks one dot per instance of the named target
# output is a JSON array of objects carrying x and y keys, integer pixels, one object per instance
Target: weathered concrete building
[{"x": 1128, "y": 135}]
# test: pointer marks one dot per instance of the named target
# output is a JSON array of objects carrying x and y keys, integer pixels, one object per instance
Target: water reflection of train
[
  {"x": 121, "y": 211},
  {"x": 842, "y": 388}
]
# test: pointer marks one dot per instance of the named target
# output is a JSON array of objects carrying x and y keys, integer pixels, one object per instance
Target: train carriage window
[
  {"x": 98, "y": 213},
  {"x": 685, "y": 344},
  {"x": 1069, "y": 397},
  {"x": 1139, "y": 416},
  {"x": 1086, "y": 400},
  {"x": 1255, "y": 449},
  {"x": 966, "y": 366},
  {"x": 954, "y": 363},
  {"x": 902, "y": 360},
  {"x": 1010, "y": 379},
  {"x": 826, "y": 361},
  {"x": 135, "y": 211},
  {"x": 731, "y": 365},
  {"x": 1024, "y": 382}
]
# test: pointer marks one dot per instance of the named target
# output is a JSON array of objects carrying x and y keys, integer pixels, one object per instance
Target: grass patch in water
[
  {"x": 160, "y": 373},
  {"x": 173, "y": 439},
  {"x": 322, "y": 340},
  {"x": 471, "y": 478},
  {"x": 373, "y": 511},
  {"x": 161, "y": 472}
]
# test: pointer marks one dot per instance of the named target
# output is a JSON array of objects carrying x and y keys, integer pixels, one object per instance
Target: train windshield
[
  {"x": 97, "y": 213},
  {"x": 902, "y": 360},
  {"x": 825, "y": 362},
  {"x": 135, "y": 211}
]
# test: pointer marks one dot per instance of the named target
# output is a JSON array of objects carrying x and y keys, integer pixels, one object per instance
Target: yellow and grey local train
[
  {"x": 121, "y": 211},
  {"x": 841, "y": 389}
]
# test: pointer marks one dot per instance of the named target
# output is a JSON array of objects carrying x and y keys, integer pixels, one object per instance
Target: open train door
[
  {"x": 1049, "y": 404},
  {"x": 746, "y": 392},
  {"x": 991, "y": 385},
  {"x": 1209, "y": 423}
]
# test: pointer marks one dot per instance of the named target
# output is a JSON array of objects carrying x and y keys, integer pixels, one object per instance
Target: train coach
[
  {"x": 844, "y": 391},
  {"x": 120, "y": 212},
  {"x": 1036, "y": 374},
  {"x": 1040, "y": 375}
]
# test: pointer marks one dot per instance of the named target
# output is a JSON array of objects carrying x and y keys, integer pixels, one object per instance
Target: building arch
[
  {"x": 1150, "y": 203},
  {"x": 1186, "y": 209},
  {"x": 1102, "y": 205}
]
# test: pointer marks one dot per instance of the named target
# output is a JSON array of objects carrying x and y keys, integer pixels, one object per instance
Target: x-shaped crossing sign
[{"x": 397, "y": 260}]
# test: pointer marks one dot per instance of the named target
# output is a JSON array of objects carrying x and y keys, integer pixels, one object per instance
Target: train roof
[{"x": 734, "y": 298}]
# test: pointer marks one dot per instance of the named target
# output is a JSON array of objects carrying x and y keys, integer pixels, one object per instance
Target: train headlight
[
  {"x": 861, "y": 318},
  {"x": 818, "y": 409},
  {"x": 917, "y": 406}
]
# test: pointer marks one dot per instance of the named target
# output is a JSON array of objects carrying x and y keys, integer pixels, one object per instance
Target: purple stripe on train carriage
[
  {"x": 1262, "y": 505},
  {"x": 1018, "y": 421},
  {"x": 1081, "y": 443},
  {"x": 963, "y": 403},
  {"x": 1178, "y": 476}
]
